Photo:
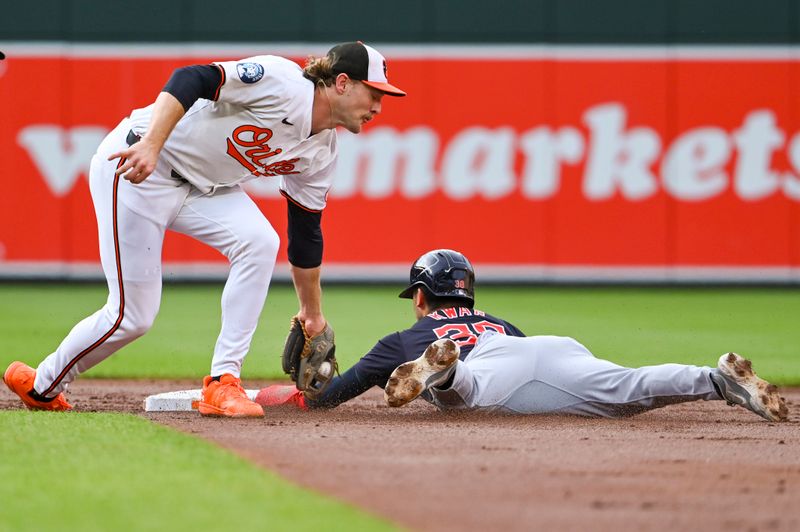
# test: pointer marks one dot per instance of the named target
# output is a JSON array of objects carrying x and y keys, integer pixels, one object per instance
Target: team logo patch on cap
[{"x": 250, "y": 72}]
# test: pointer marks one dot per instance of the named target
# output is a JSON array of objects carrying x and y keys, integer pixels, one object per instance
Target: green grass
[
  {"x": 118, "y": 472},
  {"x": 631, "y": 326},
  {"x": 84, "y": 471}
]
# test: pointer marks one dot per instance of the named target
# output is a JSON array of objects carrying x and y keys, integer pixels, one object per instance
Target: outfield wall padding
[{"x": 542, "y": 159}]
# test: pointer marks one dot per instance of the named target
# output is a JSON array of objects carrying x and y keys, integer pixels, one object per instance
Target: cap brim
[{"x": 391, "y": 90}]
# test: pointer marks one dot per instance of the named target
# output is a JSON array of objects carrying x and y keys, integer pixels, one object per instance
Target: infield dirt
[{"x": 696, "y": 466}]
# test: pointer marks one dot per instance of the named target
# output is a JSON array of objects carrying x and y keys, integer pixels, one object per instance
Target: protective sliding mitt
[
  {"x": 280, "y": 395},
  {"x": 309, "y": 361}
]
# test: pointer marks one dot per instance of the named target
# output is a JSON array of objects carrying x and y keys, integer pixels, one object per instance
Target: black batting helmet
[{"x": 445, "y": 273}]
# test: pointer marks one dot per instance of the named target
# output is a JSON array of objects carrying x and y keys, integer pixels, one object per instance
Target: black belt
[{"x": 133, "y": 138}]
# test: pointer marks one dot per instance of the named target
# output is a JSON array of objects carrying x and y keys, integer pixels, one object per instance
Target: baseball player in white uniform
[
  {"x": 472, "y": 360},
  {"x": 179, "y": 164}
]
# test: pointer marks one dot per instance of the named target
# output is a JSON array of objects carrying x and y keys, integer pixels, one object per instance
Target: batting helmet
[{"x": 445, "y": 273}]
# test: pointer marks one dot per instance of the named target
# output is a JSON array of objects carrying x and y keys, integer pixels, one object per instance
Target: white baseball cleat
[
  {"x": 738, "y": 384},
  {"x": 432, "y": 368}
]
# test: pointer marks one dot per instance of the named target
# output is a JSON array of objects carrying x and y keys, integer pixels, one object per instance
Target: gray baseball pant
[{"x": 558, "y": 375}]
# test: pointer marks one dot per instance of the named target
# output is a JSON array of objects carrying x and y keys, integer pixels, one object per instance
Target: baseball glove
[{"x": 309, "y": 361}]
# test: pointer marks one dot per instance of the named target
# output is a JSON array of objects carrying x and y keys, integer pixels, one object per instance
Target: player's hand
[
  {"x": 140, "y": 161},
  {"x": 314, "y": 324}
]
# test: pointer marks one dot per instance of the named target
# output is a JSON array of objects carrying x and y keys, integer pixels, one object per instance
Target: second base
[{"x": 180, "y": 401}]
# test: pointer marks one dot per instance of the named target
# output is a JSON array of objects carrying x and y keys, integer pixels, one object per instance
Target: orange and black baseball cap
[{"x": 363, "y": 63}]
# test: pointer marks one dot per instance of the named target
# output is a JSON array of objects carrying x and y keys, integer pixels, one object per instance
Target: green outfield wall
[{"x": 412, "y": 21}]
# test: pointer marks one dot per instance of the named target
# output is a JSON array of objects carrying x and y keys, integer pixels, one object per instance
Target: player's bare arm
[
  {"x": 309, "y": 294},
  {"x": 194, "y": 163},
  {"x": 141, "y": 158}
]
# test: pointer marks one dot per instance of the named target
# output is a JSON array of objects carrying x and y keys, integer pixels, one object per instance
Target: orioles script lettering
[{"x": 255, "y": 141}]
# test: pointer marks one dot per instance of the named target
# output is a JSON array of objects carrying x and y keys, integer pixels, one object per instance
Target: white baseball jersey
[{"x": 258, "y": 128}]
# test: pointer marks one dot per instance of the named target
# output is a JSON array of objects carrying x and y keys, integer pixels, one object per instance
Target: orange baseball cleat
[
  {"x": 226, "y": 397},
  {"x": 19, "y": 378}
]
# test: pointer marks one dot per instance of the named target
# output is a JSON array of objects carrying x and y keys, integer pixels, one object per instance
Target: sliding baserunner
[{"x": 459, "y": 357}]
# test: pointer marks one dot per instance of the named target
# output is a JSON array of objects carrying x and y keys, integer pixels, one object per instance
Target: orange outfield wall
[{"x": 544, "y": 160}]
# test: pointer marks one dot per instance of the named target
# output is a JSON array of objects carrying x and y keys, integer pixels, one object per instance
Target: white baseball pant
[{"x": 131, "y": 222}]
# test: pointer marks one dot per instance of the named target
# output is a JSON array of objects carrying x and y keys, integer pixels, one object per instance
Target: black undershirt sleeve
[
  {"x": 305, "y": 236},
  {"x": 351, "y": 383},
  {"x": 190, "y": 83}
]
